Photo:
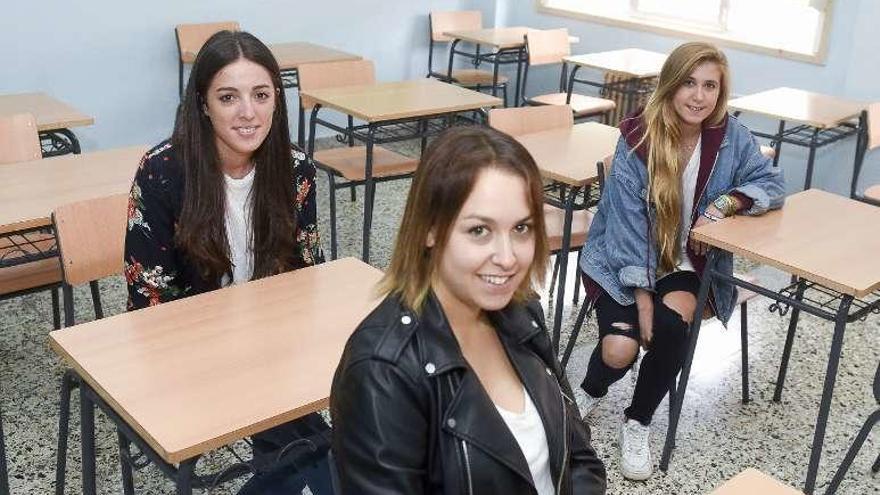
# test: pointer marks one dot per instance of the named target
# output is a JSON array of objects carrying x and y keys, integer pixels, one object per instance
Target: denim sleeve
[
  {"x": 628, "y": 234},
  {"x": 757, "y": 178}
]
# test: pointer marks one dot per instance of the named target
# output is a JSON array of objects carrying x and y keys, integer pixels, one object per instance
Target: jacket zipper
[
  {"x": 464, "y": 448},
  {"x": 562, "y": 398}
]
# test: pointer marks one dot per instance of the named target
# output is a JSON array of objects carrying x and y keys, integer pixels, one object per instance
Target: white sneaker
[
  {"x": 586, "y": 403},
  {"x": 635, "y": 454}
]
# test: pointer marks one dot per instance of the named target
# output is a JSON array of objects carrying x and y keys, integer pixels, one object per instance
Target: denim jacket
[{"x": 621, "y": 254}]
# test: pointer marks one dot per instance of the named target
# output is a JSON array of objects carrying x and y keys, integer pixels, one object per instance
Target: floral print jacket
[{"x": 155, "y": 270}]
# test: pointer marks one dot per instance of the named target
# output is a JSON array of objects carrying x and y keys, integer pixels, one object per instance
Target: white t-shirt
[
  {"x": 239, "y": 233},
  {"x": 688, "y": 187},
  {"x": 529, "y": 432}
]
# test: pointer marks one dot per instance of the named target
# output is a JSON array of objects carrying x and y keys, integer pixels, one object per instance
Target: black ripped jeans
[{"x": 665, "y": 354}]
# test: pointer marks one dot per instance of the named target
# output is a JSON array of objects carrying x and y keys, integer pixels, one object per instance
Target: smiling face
[
  {"x": 490, "y": 248},
  {"x": 240, "y": 102},
  {"x": 697, "y": 96}
]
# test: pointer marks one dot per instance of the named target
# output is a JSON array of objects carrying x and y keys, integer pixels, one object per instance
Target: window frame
[{"x": 694, "y": 33}]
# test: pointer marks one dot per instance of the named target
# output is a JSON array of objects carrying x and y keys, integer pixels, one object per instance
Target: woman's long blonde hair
[{"x": 663, "y": 138}]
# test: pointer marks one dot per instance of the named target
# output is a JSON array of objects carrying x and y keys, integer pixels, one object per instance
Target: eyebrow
[
  {"x": 490, "y": 220},
  {"x": 229, "y": 88}
]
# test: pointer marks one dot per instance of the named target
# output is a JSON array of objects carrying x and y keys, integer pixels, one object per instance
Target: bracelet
[
  {"x": 726, "y": 204},
  {"x": 711, "y": 216}
]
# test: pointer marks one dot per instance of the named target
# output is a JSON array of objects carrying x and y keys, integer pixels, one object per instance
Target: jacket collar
[{"x": 514, "y": 321}]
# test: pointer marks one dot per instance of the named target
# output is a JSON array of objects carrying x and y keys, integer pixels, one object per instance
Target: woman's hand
[
  {"x": 699, "y": 247},
  {"x": 645, "y": 307}
]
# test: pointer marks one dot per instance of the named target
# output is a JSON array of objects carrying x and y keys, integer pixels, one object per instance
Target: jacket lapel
[{"x": 472, "y": 417}]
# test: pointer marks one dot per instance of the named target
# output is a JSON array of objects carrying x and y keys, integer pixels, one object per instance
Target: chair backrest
[
  {"x": 19, "y": 140},
  {"x": 524, "y": 120},
  {"x": 604, "y": 168},
  {"x": 91, "y": 237},
  {"x": 873, "y": 125},
  {"x": 191, "y": 37},
  {"x": 458, "y": 20},
  {"x": 334, "y": 75},
  {"x": 547, "y": 46}
]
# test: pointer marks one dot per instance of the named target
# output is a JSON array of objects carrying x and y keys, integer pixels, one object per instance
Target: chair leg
[
  {"x": 332, "y": 188},
  {"x": 556, "y": 262},
  {"x": 56, "y": 309},
  {"x": 67, "y": 292},
  {"x": 68, "y": 383},
  {"x": 354, "y": 196},
  {"x": 125, "y": 464},
  {"x": 577, "y": 290},
  {"x": 876, "y": 467},
  {"x": 572, "y": 339},
  {"x": 853, "y": 450},
  {"x": 96, "y": 299},
  {"x": 4, "y": 474},
  {"x": 672, "y": 386},
  {"x": 744, "y": 342},
  {"x": 789, "y": 342}
]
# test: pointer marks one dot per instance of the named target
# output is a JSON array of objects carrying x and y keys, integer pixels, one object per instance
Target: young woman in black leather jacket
[{"x": 450, "y": 386}]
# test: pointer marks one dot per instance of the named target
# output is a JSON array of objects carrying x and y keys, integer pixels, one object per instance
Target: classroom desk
[
  {"x": 753, "y": 482},
  {"x": 291, "y": 55},
  {"x": 821, "y": 120},
  {"x": 825, "y": 241},
  {"x": 393, "y": 112},
  {"x": 189, "y": 376},
  {"x": 508, "y": 44},
  {"x": 32, "y": 190},
  {"x": 631, "y": 75},
  {"x": 567, "y": 157},
  {"x": 54, "y": 120}
]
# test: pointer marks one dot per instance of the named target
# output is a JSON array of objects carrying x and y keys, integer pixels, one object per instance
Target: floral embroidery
[
  {"x": 153, "y": 284},
  {"x": 136, "y": 209}
]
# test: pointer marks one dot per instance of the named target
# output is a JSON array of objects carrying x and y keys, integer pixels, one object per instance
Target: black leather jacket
[{"x": 410, "y": 417}]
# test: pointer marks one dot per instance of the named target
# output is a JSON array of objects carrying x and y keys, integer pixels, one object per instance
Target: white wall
[
  {"x": 117, "y": 60},
  {"x": 851, "y": 70}
]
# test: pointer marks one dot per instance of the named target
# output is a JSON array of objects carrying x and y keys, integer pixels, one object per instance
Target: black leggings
[{"x": 665, "y": 354}]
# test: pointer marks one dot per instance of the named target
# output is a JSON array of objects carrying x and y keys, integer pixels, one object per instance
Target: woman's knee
[
  {"x": 682, "y": 302},
  {"x": 618, "y": 351}
]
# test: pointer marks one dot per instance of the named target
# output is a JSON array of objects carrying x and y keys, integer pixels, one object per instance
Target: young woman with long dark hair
[{"x": 226, "y": 200}]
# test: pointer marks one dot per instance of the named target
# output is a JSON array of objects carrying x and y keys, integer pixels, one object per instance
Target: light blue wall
[
  {"x": 117, "y": 60},
  {"x": 851, "y": 70}
]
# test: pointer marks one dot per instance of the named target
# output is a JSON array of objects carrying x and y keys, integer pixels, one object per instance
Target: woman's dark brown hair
[
  {"x": 448, "y": 170},
  {"x": 201, "y": 231}
]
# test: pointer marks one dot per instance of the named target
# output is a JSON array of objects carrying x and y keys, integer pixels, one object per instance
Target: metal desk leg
[
  {"x": 789, "y": 341},
  {"x": 563, "y": 263},
  {"x": 861, "y": 149},
  {"x": 777, "y": 143},
  {"x": 519, "y": 74},
  {"x": 301, "y": 128},
  {"x": 827, "y": 391},
  {"x": 87, "y": 429},
  {"x": 808, "y": 180},
  {"x": 369, "y": 194},
  {"x": 676, "y": 401},
  {"x": 185, "y": 476}
]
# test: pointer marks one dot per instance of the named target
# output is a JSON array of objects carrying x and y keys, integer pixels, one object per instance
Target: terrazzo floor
[{"x": 718, "y": 435}]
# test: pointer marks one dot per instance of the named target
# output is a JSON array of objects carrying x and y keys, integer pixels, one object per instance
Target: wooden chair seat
[
  {"x": 28, "y": 275},
  {"x": 349, "y": 162},
  {"x": 581, "y": 105},
  {"x": 873, "y": 192},
  {"x": 554, "y": 219},
  {"x": 742, "y": 294},
  {"x": 476, "y": 77}
]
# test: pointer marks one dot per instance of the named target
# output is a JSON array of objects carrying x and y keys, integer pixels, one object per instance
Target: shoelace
[{"x": 637, "y": 440}]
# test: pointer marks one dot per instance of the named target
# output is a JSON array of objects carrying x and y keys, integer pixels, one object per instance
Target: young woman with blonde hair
[
  {"x": 450, "y": 386},
  {"x": 681, "y": 162}
]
